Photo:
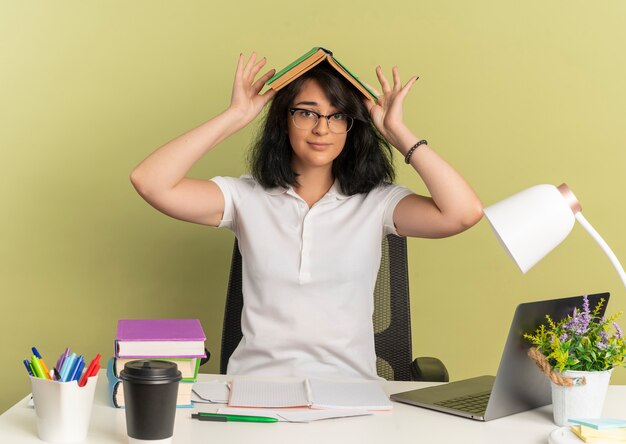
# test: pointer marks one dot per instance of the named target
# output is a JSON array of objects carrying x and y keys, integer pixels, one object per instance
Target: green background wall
[{"x": 511, "y": 93}]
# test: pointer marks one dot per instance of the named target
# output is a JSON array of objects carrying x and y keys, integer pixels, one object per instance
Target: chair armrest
[
  {"x": 208, "y": 356},
  {"x": 429, "y": 369}
]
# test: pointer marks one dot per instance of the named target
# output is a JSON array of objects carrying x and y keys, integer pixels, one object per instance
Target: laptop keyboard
[{"x": 470, "y": 403}]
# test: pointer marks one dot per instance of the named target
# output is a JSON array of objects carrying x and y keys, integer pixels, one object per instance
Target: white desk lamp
[{"x": 533, "y": 222}]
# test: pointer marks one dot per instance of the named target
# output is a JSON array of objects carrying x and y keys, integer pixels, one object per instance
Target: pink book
[{"x": 153, "y": 338}]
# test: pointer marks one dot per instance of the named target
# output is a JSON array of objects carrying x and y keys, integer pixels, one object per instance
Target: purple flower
[
  {"x": 618, "y": 330},
  {"x": 585, "y": 304},
  {"x": 604, "y": 336},
  {"x": 579, "y": 323},
  {"x": 601, "y": 345},
  {"x": 563, "y": 337}
]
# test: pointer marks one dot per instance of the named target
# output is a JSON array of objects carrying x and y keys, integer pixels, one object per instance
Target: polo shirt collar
[
  {"x": 276, "y": 191},
  {"x": 334, "y": 191}
]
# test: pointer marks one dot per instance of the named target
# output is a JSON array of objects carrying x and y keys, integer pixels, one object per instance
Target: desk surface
[{"x": 405, "y": 422}]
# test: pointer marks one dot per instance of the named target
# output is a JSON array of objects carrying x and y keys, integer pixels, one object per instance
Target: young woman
[{"x": 311, "y": 217}]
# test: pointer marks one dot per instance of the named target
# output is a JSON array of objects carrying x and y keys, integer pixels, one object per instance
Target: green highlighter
[{"x": 219, "y": 417}]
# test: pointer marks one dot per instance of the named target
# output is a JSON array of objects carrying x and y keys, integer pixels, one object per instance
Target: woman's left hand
[{"x": 387, "y": 112}]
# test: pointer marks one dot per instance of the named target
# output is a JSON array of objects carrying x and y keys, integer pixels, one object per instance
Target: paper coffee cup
[{"x": 150, "y": 392}]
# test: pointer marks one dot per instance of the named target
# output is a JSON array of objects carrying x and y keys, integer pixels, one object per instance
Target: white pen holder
[{"x": 63, "y": 409}]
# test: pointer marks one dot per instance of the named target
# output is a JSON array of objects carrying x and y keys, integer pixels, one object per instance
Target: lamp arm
[{"x": 605, "y": 247}]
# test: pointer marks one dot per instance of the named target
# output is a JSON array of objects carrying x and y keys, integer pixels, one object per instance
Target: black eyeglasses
[{"x": 338, "y": 123}]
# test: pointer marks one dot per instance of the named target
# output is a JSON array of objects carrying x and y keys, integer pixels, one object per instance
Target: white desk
[{"x": 405, "y": 424}]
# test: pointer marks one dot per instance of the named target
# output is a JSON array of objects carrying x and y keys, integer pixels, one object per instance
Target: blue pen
[
  {"x": 78, "y": 367},
  {"x": 68, "y": 366},
  {"x": 71, "y": 369},
  {"x": 79, "y": 371},
  {"x": 27, "y": 365}
]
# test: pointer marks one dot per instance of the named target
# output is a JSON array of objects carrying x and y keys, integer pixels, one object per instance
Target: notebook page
[
  {"x": 366, "y": 395},
  {"x": 210, "y": 391},
  {"x": 262, "y": 393}
]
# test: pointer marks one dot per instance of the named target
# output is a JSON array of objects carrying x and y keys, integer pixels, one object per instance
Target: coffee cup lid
[{"x": 150, "y": 371}]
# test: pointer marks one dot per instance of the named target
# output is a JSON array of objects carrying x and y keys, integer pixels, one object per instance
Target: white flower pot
[{"x": 581, "y": 401}]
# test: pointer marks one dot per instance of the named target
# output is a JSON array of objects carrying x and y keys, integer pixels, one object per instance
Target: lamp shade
[{"x": 531, "y": 223}]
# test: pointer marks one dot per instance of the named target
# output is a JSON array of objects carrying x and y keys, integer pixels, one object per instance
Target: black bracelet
[{"x": 407, "y": 158}]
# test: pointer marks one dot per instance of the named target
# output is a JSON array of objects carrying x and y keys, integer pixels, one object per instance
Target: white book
[{"x": 312, "y": 392}]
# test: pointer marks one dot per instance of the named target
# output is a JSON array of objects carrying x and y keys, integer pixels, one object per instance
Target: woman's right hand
[
  {"x": 246, "y": 100},
  {"x": 161, "y": 179}
]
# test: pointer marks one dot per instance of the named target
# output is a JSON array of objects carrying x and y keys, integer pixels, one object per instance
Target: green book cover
[
  {"x": 292, "y": 64},
  {"x": 327, "y": 54},
  {"x": 355, "y": 77}
]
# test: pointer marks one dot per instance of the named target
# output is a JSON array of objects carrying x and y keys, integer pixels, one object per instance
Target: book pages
[
  {"x": 366, "y": 395},
  {"x": 315, "y": 393},
  {"x": 260, "y": 393}
]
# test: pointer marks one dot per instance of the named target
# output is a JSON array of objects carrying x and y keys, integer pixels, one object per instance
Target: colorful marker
[
  {"x": 28, "y": 369},
  {"x": 61, "y": 359},
  {"x": 37, "y": 369},
  {"x": 45, "y": 368},
  {"x": 92, "y": 369},
  {"x": 68, "y": 366},
  {"x": 78, "y": 368}
]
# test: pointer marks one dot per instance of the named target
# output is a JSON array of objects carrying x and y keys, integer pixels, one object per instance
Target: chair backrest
[{"x": 391, "y": 319}]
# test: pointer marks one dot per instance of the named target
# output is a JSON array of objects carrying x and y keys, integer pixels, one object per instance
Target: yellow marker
[
  {"x": 44, "y": 367},
  {"x": 37, "y": 369}
]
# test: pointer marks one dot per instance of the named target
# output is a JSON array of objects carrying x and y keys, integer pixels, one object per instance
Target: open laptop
[{"x": 518, "y": 386}]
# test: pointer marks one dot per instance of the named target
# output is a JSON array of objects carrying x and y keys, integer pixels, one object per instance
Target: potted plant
[{"x": 578, "y": 353}]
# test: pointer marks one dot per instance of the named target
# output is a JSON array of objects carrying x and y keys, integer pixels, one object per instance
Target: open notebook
[{"x": 313, "y": 393}]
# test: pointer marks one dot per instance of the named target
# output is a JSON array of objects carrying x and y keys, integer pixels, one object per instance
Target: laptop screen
[{"x": 519, "y": 384}]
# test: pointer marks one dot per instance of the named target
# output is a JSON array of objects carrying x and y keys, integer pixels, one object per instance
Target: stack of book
[{"x": 177, "y": 340}]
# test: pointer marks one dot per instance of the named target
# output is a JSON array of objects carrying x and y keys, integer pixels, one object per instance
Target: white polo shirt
[{"x": 308, "y": 277}]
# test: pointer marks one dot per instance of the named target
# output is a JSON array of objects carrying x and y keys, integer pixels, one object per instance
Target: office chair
[{"x": 392, "y": 322}]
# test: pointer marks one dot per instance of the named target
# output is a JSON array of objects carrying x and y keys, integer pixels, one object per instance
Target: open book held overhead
[{"x": 312, "y": 58}]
